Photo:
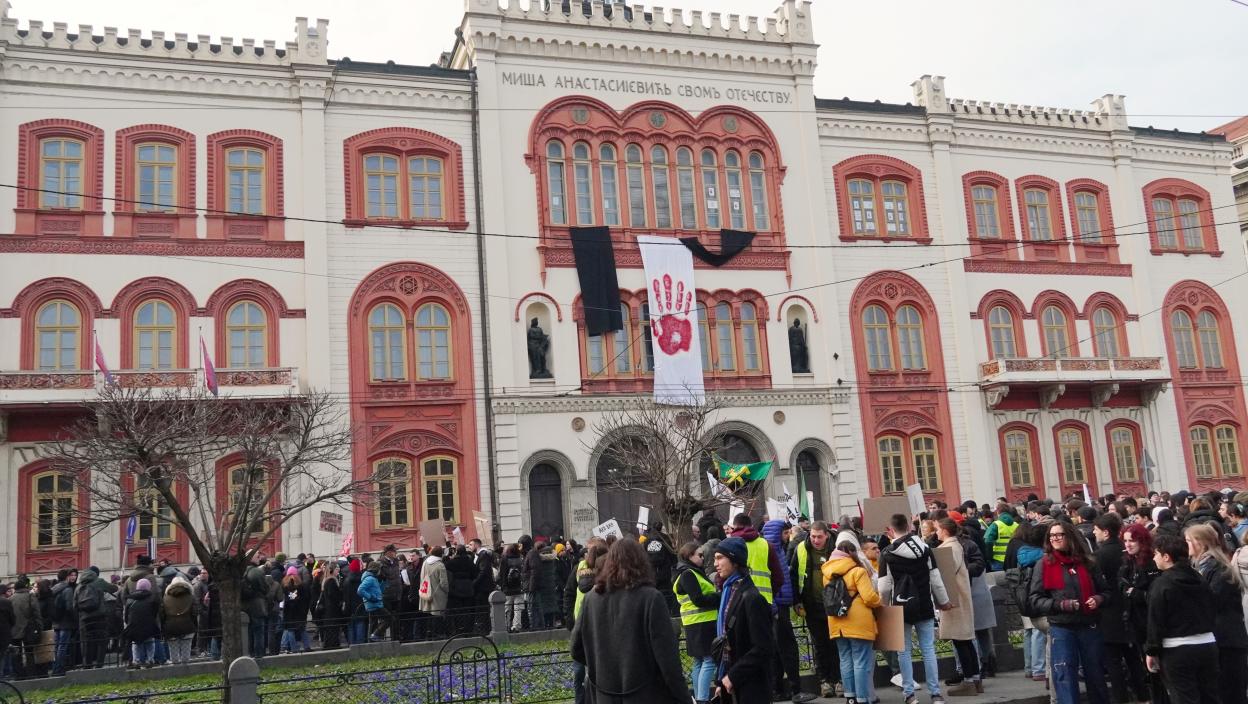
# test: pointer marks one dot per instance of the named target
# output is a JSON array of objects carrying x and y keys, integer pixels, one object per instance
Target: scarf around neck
[{"x": 1058, "y": 566}]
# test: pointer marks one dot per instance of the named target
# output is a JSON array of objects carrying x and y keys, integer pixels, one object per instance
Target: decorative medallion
[
  {"x": 778, "y": 417},
  {"x": 409, "y": 285},
  {"x": 578, "y": 424},
  {"x": 730, "y": 124},
  {"x": 890, "y": 291},
  {"x": 1193, "y": 298},
  {"x": 580, "y": 115},
  {"x": 657, "y": 119}
]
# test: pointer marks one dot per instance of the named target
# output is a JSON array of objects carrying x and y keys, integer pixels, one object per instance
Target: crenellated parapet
[{"x": 1108, "y": 112}]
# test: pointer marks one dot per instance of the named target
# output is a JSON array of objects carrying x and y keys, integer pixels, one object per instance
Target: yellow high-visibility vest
[
  {"x": 760, "y": 572},
  {"x": 691, "y": 613}
]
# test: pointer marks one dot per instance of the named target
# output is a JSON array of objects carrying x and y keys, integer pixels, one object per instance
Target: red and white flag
[
  {"x": 103, "y": 365},
  {"x": 210, "y": 372},
  {"x": 347, "y": 544}
]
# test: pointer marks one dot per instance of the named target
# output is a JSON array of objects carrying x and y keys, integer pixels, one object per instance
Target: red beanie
[{"x": 354, "y": 565}]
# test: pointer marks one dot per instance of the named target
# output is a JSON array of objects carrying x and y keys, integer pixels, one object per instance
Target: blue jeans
[
  {"x": 63, "y": 639},
  {"x": 857, "y": 664},
  {"x": 358, "y": 631},
  {"x": 292, "y": 640},
  {"x": 926, "y": 632},
  {"x": 142, "y": 652},
  {"x": 703, "y": 674},
  {"x": 1034, "y": 643},
  {"x": 1074, "y": 648},
  {"x": 256, "y": 630},
  {"x": 161, "y": 653}
]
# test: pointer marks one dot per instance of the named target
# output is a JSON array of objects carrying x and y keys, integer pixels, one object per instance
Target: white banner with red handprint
[{"x": 673, "y": 321}]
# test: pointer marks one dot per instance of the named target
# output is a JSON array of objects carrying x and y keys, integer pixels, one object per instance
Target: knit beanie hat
[
  {"x": 143, "y": 585},
  {"x": 292, "y": 571},
  {"x": 355, "y": 566},
  {"x": 734, "y": 549}
]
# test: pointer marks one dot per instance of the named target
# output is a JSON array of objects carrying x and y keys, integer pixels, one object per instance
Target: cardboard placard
[
  {"x": 890, "y": 624},
  {"x": 481, "y": 524},
  {"x": 608, "y": 527},
  {"x": 433, "y": 531},
  {"x": 877, "y": 512},
  {"x": 914, "y": 493},
  {"x": 775, "y": 510},
  {"x": 947, "y": 563}
]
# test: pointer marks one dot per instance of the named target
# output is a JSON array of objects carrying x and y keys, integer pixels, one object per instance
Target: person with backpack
[
  {"x": 1019, "y": 566},
  {"x": 178, "y": 617},
  {"x": 806, "y": 574},
  {"x": 370, "y": 592},
  {"x": 511, "y": 584},
  {"x": 64, "y": 620},
  {"x": 909, "y": 578},
  {"x": 1068, "y": 589},
  {"x": 93, "y": 616},
  {"x": 850, "y": 600}
]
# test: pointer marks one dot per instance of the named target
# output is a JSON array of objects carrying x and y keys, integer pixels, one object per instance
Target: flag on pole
[
  {"x": 737, "y": 474},
  {"x": 718, "y": 490},
  {"x": 210, "y": 372},
  {"x": 103, "y": 365},
  {"x": 1087, "y": 495},
  {"x": 347, "y": 543},
  {"x": 803, "y": 496}
]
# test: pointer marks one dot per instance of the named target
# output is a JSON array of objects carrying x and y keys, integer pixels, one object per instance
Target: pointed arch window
[
  {"x": 388, "y": 343},
  {"x": 433, "y": 342},
  {"x": 394, "y": 481},
  {"x": 58, "y": 326}
]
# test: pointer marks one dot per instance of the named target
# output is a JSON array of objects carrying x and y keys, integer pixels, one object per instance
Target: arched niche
[{"x": 540, "y": 311}]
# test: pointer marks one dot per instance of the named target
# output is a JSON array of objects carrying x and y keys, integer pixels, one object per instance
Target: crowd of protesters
[{"x": 1143, "y": 598}]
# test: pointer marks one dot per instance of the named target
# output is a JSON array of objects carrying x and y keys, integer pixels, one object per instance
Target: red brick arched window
[
  {"x": 654, "y": 167},
  {"x": 896, "y": 335},
  {"x": 880, "y": 197},
  {"x": 1092, "y": 221},
  {"x": 1108, "y": 317},
  {"x": 60, "y": 178},
  {"x": 246, "y": 317},
  {"x": 155, "y": 182},
  {"x": 51, "y": 309},
  {"x": 155, "y": 318},
  {"x": 246, "y": 181},
  {"x": 1179, "y": 218},
  {"x": 1041, "y": 217},
  {"x": 1003, "y": 314},
  {"x": 1055, "y": 315},
  {"x": 1072, "y": 441},
  {"x": 1126, "y": 456},
  {"x": 403, "y": 176},
  {"x": 1020, "y": 460},
  {"x": 51, "y": 531},
  {"x": 990, "y": 215}
]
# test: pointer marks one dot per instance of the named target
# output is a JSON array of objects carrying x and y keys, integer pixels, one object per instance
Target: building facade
[{"x": 997, "y": 300}]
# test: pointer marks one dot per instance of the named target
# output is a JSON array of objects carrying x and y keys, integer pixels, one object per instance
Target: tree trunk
[{"x": 228, "y": 576}]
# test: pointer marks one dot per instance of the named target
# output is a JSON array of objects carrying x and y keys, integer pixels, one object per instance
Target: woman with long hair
[
  {"x": 296, "y": 600},
  {"x": 855, "y": 632},
  {"x": 330, "y": 607},
  {"x": 624, "y": 635},
  {"x": 958, "y": 624},
  {"x": 1134, "y": 580},
  {"x": 1204, "y": 546},
  {"x": 1068, "y": 589},
  {"x": 1181, "y": 645}
]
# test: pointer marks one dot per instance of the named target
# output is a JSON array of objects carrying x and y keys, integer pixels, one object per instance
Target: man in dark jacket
[
  {"x": 7, "y": 616},
  {"x": 91, "y": 604},
  {"x": 1180, "y": 606},
  {"x": 663, "y": 559},
  {"x": 255, "y": 603},
  {"x": 484, "y": 584},
  {"x": 775, "y": 532},
  {"x": 806, "y": 574},
  {"x": 1123, "y": 663},
  {"x": 745, "y": 622},
  {"x": 64, "y": 620},
  {"x": 711, "y": 526},
  {"x": 391, "y": 579}
]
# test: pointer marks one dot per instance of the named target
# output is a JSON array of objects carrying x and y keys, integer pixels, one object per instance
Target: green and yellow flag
[{"x": 735, "y": 475}]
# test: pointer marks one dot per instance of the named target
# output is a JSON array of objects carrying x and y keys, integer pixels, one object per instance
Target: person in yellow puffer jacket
[{"x": 854, "y": 633}]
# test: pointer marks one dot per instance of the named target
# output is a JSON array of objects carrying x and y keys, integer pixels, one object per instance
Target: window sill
[
  {"x": 58, "y": 222},
  {"x": 245, "y": 227},
  {"x": 411, "y": 390},
  {"x": 1187, "y": 252},
  {"x": 358, "y": 223},
  {"x": 887, "y": 240},
  {"x": 154, "y": 225}
]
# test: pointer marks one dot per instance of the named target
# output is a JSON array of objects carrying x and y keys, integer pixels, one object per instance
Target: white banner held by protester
[
  {"x": 673, "y": 320},
  {"x": 608, "y": 527},
  {"x": 914, "y": 493},
  {"x": 643, "y": 519}
]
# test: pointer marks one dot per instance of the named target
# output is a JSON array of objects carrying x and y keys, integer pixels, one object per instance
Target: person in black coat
[
  {"x": 142, "y": 625},
  {"x": 352, "y": 604},
  {"x": 461, "y": 574},
  {"x": 483, "y": 585},
  {"x": 7, "y": 616},
  {"x": 1180, "y": 606},
  {"x": 1123, "y": 662},
  {"x": 330, "y": 606},
  {"x": 744, "y": 661},
  {"x": 697, "y": 598},
  {"x": 1135, "y": 578},
  {"x": 297, "y": 601},
  {"x": 1204, "y": 543}
]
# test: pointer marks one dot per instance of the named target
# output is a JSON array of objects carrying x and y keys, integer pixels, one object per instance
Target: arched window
[
  {"x": 1123, "y": 442},
  {"x": 247, "y": 335},
  {"x": 53, "y": 504},
  {"x": 424, "y": 188},
  {"x": 245, "y": 181},
  {"x": 1039, "y": 224},
  {"x": 1202, "y": 451},
  {"x": 381, "y": 176},
  {"x": 583, "y": 183},
  {"x": 555, "y": 183},
  {"x": 862, "y": 205},
  {"x": 1019, "y": 461},
  {"x": 685, "y": 190},
  {"x": 1087, "y": 218},
  {"x": 724, "y": 343},
  {"x": 245, "y": 177},
  {"x": 758, "y": 192},
  {"x": 387, "y": 343},
  {"x": 1163, "y": 223},
  {"x": 710, "y": 188},
  {"x": 1184, "y": 340},
  {"x": 433, "y": 342},
  {"x": 608, "y": 173},
  {"x": 749, "y": 338},
  {"x": 876, "y": 333},
  {"x": 636, "y": 186},
  {"x": 879, "y": 196},
  {"x": 1180, "y": 218},
  {"x": 736, "y": 198},
  {"x": 987, "y": 212},
  {"x": 1001, "y": 327},
  {"x": 910, "y": 338},
  {"x": 1228, "y": 451},
  {"x": 61, "y": 173},
  {"x": 892, "y": 464},
  {"x": 1105, "y": 332},
  {"x": 441, "y": 483},
  {"x": 155, "y": 335},
  {"x": 1070, "y": 447},
  {"x": 393, "y": 507},
  {"x": 1210, "y": 340},
  {"x": 57, "y": 329},
  {"x": 156, "y": 181},
  {"x": 662, "y": 187},
  {"x": 926, "y": 462},
  {"x": 1055, "y": 328}
]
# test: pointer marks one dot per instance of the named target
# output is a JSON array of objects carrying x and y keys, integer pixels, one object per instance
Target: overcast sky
[{"x": 1181, "y": 63}]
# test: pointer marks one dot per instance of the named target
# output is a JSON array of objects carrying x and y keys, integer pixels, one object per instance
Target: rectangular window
[
  {"x": 594, "y": 354},
  {"x": 1018, "y": 457},
  {"x": 710, "y": 197},
  {"x": 1228, "y": 451},
  {"x": 1038, "y": 224},
  {"x": 1088, "y": 217},
  {"x": 558, "y": 212},
  {"x": 688, "y": 198},
  {"x": 424, "y": 176},
  {"x": 610, "y": 195},
  {"x": 155, "y": 165},
  {"x": 1189, "y": 223},
  {"x": 1202, "y": 453},
  {"x": 245, "y": 181},
  {"x": 1125, "y": 465},
  {"x": 892, "y": 465},
  {"x": 60, "y": 166},
  {"x": 987, "y": 223},
  {"x": 662, "y": 197},
  {"x": 1070, "y": 443},
  {"x": 584, "y": 193},
  {"x": 758, "y": 196},
  {"x": 926, "y": 465},
  {"x": 440, "y": 484},
  {"x": 862, "y": 207},
  {"x": 736, "y": 200},
  {"x": 636, "y": 196},
  {"x": 1163, "y": 220},
  {"x": 896, "y": 220}
]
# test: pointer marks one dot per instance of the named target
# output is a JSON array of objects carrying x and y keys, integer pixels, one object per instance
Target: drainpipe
[{"x": 486, "y": 366}]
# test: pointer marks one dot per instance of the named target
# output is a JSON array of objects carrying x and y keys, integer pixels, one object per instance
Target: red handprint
[{"x": 669, "y": 316}]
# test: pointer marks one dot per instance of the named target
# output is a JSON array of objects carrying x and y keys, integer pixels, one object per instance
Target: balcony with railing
[
  {"x": 1048, "y": 379},
  {"x": 36, "y": 386}
]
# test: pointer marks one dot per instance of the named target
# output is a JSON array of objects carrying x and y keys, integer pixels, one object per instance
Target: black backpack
[
  {"x": 87, "y": 600},
  {"x": 63, "y": 607},
  {"x": 836, "y": 596},
  {"x": 513, "y": 575},
  {"x": 1018, "y": 580}
]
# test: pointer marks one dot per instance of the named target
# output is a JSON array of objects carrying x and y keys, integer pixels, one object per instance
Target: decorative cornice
[
  {"x": 22, "y": 244},
  {"x": 532, "y": 405}
]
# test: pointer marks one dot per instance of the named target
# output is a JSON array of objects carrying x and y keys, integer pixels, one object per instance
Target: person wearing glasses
[{"x": 1069, "y": 590}]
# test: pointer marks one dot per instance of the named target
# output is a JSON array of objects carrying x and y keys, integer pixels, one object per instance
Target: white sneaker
[{"x": 896, "y": 680}]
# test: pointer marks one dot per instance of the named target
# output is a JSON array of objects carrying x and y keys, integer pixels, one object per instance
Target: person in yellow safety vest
[
  {"x": 998, "y": 535},
  {"x": 580, "y": 582},
  {"x": 699, "y": 605},
  {"x": 763, "y": 564}
]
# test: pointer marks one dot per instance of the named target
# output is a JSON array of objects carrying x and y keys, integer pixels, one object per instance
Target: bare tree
[
  {"x": 663, "y": 451},
  {"x": 134, "y": 449}
]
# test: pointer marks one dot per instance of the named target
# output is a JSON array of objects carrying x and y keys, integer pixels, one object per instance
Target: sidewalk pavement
[{"x": 1005, "y": 688}]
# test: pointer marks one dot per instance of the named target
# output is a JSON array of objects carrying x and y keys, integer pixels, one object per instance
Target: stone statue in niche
[
  {"x": 799, "y": 356},
  {"x": 539, "y": 346}
]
